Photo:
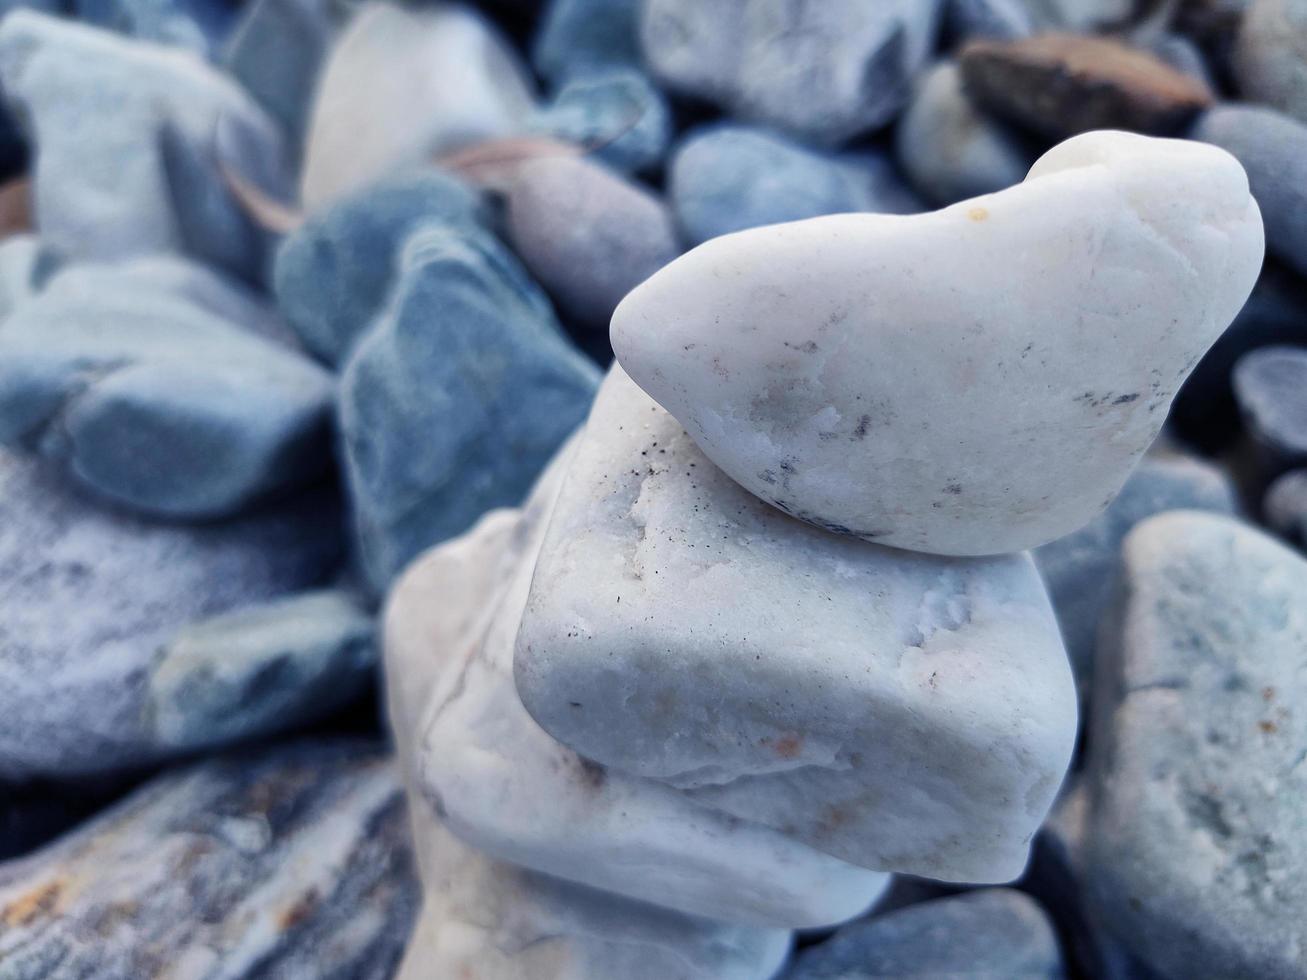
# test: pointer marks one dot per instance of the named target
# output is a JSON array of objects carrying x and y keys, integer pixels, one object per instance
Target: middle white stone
[{"x": 899, "y": 711}]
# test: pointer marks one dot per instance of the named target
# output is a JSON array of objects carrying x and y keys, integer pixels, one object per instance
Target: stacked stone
[{"x": 764, "y": 633}]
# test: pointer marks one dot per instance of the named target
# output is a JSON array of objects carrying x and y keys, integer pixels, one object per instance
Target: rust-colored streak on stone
[
  {"x": 1063, "y": 84},
  {"x": 34, "y": 903}
]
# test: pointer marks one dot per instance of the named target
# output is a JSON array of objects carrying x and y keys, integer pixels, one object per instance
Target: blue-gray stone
[
  {"x": 1205, "y": 412},
  {"x": 1285, "y": 506},
  {"x": 1273, "y": 149},
  {"x": 130, "y": 161},
  {"x": 456, "y": 398},
  {"x": 333, "y": 274},
  {"x": 1182, "y": 53},
  {"x": 578, "y": 37},
  {"x": 88, "y": 595},
  {"x": 1270, "y": 385},
  {"x": 993, "y": 932},
  {"x": 618, "y": 116},
  {"x": 154, "y": 402},
  {"x": 726, "y": 178},
  {"x": 587, "y": 235},
  {"x": 261, "y": 669},
  {"x": 1003, "y": 19},
  {"x": 1194, "y": 851},
  {"x": 949, "y": 149},
  {"x": 276, "y": 51},
  {"x": 1080, "y": 569},
  {"x": 293, "y": 863}
]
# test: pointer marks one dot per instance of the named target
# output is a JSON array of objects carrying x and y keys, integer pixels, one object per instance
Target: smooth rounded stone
[
  {"x": 128, "y": 134},
  {"x": 1059, "y": 85},
  {"x": 1181, "y": 53},
  {"x": 504, "y": 786},
  {"x": 586, "y": 234},
  {"x": 726, "y": 178},
  {"x": 291, "y": 863},
  {"x": 680, "y": 629},
  {"x": 994, "y": 932},
  {"x": 1055, "y": 319},
  {"x": 490, "y": 919},
  {"x": 152, "y": 401},
  {"x": 333, "y": 273},
  {"x": 1205, "y": 412},
  {"x": 1080, "y": 569},
  {"x": 1270, "y": 55},
  {"x": 1194, "y": 847},
  {"x": 1285, "y": 505},
  {"x": 580, "y": 37},
  {"x": 90, "y": 595},
  {"x": 618, "y": 116},
  {"x": 965, "y": 19},
  {"x": 276, "y": 52},
  {"x": 950, "y": 150},
  {"x": 455, "y": 400},
  {"x": 404, "y": 85},
  {"x": 1270, "y": 385},
  {"x": 261, "y": 669},
  {"x": 825, "y": 71},
  {"x": 1272, "y": 148},
  {"x": 26, "y": 265}
]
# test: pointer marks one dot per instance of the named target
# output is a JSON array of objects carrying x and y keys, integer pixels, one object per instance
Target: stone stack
[{"x": 689, "y": 698}]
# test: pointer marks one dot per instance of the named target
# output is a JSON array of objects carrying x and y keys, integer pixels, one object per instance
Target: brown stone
[
  {"x": 1062, "y": 84},
  {"x": 15, "y": 207}
]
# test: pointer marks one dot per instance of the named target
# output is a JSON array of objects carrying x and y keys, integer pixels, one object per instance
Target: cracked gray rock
[
  {"x": 680, "y": 629},
  {"x": 1194, "y": 851}
]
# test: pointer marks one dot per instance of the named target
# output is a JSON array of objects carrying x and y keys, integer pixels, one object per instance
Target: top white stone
[{"x": 972, "y": 381}]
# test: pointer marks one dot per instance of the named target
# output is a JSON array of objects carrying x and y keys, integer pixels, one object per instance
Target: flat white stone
[
  {"x": 899, "y": 711},
  {"x": 403, "y": 86},
  {"x": 973, "y": 381},
  {"x": 503, "y": 785},
  {"x": 489, "y": 919}
]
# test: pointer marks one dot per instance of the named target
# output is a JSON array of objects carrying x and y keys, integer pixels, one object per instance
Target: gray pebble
[{"x": 1270, "y": 55}]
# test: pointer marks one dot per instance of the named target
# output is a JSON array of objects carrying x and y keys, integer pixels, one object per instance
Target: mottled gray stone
[
  {"x": 950, "y": 150},
  {"x": 825, "y": 71},
  {"x": 294, "y": 864},
  {"x": 260, "y": 669},
  {"x": 726, "y": 178},
  {"x": 158, "y": 402},
  {"x": 456, "y": 398},
  {"x": 586, "y": 234},
  {"x": 333, "y": 273},
  {"x": 1194, "y": 852},
  {"x": 1270, "y": 55},
  {"x": 994, "y": 932},
  {"x": 129, "y": 144},
  {"x": 1273, "y": 150},
  {"x": 1270, "y": 385},
  {"x": 1080, "y": 569},
  {"x": 90, "y": 595}
]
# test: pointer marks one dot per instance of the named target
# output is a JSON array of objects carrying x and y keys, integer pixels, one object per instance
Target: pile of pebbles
[{"x": 306, "y": 378}]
